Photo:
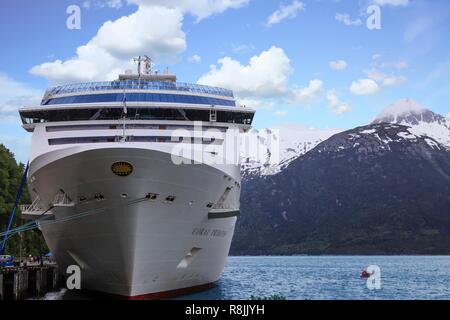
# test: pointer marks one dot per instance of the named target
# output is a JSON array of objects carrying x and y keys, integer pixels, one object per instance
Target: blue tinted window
[
  {"x": 135, "y": 84},
  {"x": 149, "y": 97},
  {"x": 171, "y": 98}
]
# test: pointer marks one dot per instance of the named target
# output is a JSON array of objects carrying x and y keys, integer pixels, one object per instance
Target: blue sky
[{"x": 311, "y": 62}]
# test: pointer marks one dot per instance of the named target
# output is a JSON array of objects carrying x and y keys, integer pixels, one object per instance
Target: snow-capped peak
[
  {"x": 421, "y": 120},
  {"x": 400, "y": 109}
]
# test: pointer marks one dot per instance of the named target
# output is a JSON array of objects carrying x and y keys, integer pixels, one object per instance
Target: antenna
[
  {"x": 145, "y": 65},
  {"x": 138, "y": 60},
  {"x": 148, "y": 65},
  {"x": 147, "y": 72}
]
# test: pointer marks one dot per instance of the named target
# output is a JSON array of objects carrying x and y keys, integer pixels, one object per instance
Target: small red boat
[{"x": 365, "y": 274}]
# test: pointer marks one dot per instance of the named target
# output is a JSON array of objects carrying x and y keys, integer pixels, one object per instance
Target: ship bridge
[
  {"x": 146, "y": 95},
  {"x": 138, "y": 90}
]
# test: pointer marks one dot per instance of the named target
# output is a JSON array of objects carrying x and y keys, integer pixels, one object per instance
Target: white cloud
[
  {"x": 402, "y": 65},
  {"x": 385, "y": 80},
  {"x": 86, "y": 4},
  {"x": 391, "y": 81},
  {"x": 448, "y": 116},
  {"x": 347, "y": 20},
  {"x": 201, "y": 9},
  {"x": 376, "y": 75},
  {"x": 280, "y": 113},
  {"x": 154, "y": 29},
  {"x": 13, "y": 95},
  {"x": 338, "y": 65},
  {"x": 116, "y": 4},
  {"x": 307, "y": 95},
  {"x": 263, "y": 82},
  {"x": 265, "y": 75},
  {"x": 285, "y": 12},
  {"x": 195, "y": 58},
  {"x": 394, "y": 3},
  {"x": 337, "y": 106},
  {"x": 376, "y": 56},
  {"x": 364, "y": 87},
  {"x": 255, "y": 103},
  {"x": 243, "y": 48},
  {"x": 110, "y": 51}
]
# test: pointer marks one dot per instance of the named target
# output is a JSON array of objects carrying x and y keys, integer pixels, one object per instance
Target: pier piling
[
  {"x": 20, "y": 284},
  {"x": 53, "y": 278},
  {"x": 41, "y": 282},
  {"x": 25, "y": 282},
  {"x": 1, "y": 287}
]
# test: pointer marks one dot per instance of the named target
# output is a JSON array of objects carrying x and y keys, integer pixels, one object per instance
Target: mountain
[
  {"x": 421, "y": 120},
  {"x": 291, "y": 140},
  {"x": 377, "y": 189}
]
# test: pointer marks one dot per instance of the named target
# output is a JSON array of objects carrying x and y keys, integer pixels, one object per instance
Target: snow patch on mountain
[
  {"x": 278, "y": 147},
  {"x": 376, "y": 139},
  {"x": 421, "y": 120},
  {"x": 399, "y": 109}
]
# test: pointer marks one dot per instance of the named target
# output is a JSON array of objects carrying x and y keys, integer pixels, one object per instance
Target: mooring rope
[
  {"x": 16, "y": 204},
  {"x": 43, "y": 220}
]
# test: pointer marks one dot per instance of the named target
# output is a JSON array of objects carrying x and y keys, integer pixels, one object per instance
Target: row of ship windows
[
  {"x": 139, "y": 84},
  {"x": 106, "y": 139},
  {"x": 167, "y": 114},
  {"x": 128, "y": 126},
  {"x": 149, "y": 196},
  {"x": 139, "y": 97}
]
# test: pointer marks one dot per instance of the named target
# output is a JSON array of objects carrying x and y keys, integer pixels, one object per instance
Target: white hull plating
[{"x": 135, "y": 248}]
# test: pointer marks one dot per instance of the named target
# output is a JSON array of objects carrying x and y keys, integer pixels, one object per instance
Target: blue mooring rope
[{"x": 13, "y": 211}]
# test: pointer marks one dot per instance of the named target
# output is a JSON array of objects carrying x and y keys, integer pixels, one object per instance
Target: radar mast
[{"x": 146, "y": 71}]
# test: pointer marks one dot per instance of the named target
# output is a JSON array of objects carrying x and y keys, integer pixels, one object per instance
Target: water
[{"x": 326, "y": 277}]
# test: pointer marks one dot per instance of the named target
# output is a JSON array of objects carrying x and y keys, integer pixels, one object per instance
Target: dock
[{"x": 19, "y": 283}]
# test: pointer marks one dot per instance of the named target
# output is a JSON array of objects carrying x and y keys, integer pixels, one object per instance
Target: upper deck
[
  {"x": 132, "y": 85},
  {"x": 142, "y": 96}
]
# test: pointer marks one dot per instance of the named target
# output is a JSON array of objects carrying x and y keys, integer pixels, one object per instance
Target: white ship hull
[
  {"x": 132, "y": 246},
  {"x": 110, "y": 198}
]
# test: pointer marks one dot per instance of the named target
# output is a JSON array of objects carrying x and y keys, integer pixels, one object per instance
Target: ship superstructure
[{"x": 116, "y": 200}]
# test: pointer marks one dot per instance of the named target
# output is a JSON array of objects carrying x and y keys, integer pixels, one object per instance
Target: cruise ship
[{"x": 112, "y": 197}]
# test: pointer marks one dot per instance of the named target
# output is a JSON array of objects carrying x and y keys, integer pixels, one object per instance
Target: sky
[{"x": 315, "y": 63}]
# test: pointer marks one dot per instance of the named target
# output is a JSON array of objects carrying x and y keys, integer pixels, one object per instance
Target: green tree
[{"x": 10, "y": 175}]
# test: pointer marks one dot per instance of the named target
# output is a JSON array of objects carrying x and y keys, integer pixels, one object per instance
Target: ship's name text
[{"x": 204, "y": 232}]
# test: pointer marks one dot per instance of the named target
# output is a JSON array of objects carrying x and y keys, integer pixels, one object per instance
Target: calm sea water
[{"x": 326, "y": 277}]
